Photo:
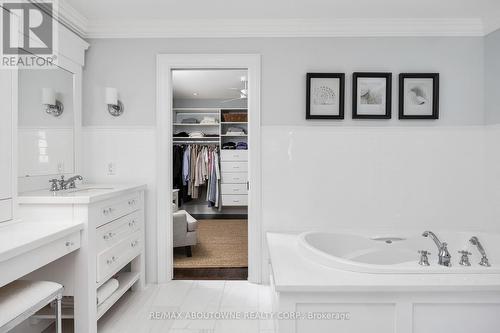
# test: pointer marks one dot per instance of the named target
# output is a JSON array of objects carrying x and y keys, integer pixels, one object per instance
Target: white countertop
[
  {"x": 18, "y": 237},
  {"x": 292, "y": 272},
  {"x": 83, "y": 194}
]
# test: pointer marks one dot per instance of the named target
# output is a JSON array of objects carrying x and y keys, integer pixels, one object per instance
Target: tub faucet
[
  {"x": 484, "y": 259},
  {"x": 443, "y": 254}
]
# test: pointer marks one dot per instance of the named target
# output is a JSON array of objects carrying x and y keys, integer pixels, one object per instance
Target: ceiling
[
  {"x": 98, "y": 13},
  {"x": 207, "y": 84}
]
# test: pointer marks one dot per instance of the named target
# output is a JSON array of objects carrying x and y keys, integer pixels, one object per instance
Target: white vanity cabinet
[
  {"x": 112, "y": 243},
  {"x": 6, "y": 133}
]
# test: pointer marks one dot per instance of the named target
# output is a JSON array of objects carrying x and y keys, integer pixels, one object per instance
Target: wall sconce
[
  {"x": 52, "y": 106},
  {"x": 115, "y": 107}
]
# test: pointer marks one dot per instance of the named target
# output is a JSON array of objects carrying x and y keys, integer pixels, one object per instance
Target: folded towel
[
  {"x": 196, "y": 134},
  {"x": 208, "y": 120},
  {"x": 189, "y": 121},
  {"x": 106, "y": 290}
]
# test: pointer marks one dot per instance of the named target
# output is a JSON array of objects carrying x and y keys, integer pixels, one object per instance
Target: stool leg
[{"x": 58, "y": 314}]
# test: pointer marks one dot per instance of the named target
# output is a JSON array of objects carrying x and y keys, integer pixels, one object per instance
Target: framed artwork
[
  {"x": 325, "y": 96},
  {"x": 418, "y": 96},
  {"x": 372, "y": 95}
]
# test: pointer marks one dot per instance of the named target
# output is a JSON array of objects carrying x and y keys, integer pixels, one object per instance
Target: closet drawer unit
[
  {"x": 234, "y": 155},
  {"x": 114, "y": 232},
  {"x": 234, "y": 200},
  {"x": 5, "y": 210},
  {"x": 112, "y": 210},
  {"x": 234, "y": 189},
  {"x": 234, "y": 178},
  {"x": 234, "y": 167},
  {"x": 113, "y": 259}
]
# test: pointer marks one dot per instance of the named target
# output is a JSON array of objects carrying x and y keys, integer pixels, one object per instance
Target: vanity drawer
[
  {"x": 114, "y": 232},
  {"x": 234, "y": 155},
  {"x": 234, "y": 189},
  {"x": 234, "y": 178},
  {"x": 234, "y": 166},
  {"x": 113, "y": 259},
  {"x": 5, "y": 210},
  {"x": 114, "y": 209},
  {"x": 234, "y": 200}
]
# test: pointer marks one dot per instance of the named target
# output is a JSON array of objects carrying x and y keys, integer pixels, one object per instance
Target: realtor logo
[{"x": 28, "y": 31}]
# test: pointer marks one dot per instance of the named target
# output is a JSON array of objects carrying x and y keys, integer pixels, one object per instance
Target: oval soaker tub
[{"x": 397, "y": 253}]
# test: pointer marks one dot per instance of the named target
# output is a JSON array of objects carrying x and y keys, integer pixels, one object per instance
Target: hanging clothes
[{"x": 197, "y": 167}]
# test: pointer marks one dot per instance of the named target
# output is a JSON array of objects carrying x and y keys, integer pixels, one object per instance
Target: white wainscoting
[{"x": 325, "y": 177}]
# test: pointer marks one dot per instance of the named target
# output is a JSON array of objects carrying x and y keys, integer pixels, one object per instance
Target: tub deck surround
[
  {"x": 22, "y": 241},
  {"x": 294, "y": 272},
  {"x": 112, "y": 240},
  {"x": 83, "y": 194},
  {"x": 375, "y": 302}
]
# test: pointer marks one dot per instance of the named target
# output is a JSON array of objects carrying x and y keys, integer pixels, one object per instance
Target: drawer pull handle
[
  {"x": 111, "y": 235},
  {"x": 107, "y": 211},
  {"x": 105, "y": 237},
  {"x": 131, "y": 202},
  {"x": 236, "y": 167},
  {"x": 131, "y": 223},
  {"x": 68, "y": 244},
  {"x": 236, "y": 189},
  {"x": 236, "y": 201},
  {"x": 134, "y": 243}
]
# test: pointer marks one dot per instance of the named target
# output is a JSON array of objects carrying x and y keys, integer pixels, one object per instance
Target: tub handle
[
  {"x": 464, "y": 260},
  {"x": 424, "y": 259}
]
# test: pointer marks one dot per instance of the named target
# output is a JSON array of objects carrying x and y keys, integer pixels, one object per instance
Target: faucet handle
[
  {"x": 464, "y": 260},
  {"x": 424, "y": 259},
  {"x": 53, "y": 185}
]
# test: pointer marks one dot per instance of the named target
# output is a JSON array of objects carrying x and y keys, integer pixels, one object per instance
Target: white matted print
[
  {"x": 325, "y": 98},
  {"x": 418, "y": 97}
]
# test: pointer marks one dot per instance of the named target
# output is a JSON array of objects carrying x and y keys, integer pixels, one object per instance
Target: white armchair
[{"x": 185, "y": 234}]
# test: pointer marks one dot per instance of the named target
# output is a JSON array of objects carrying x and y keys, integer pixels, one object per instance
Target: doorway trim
[{"x": 164, "y": 65}]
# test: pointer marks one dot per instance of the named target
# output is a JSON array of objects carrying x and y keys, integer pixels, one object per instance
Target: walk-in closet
[{"x": 210, "y": 174}]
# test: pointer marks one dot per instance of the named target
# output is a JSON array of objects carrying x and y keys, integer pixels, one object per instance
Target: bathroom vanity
[{"x": 112, "y": 244}]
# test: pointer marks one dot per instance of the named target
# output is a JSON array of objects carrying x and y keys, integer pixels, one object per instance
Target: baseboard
[{"x": 223, "y": 273}]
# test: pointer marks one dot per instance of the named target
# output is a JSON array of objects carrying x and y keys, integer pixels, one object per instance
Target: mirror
[{"x": 45, "y": 135}]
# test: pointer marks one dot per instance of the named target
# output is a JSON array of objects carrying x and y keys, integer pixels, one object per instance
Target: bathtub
[
  {"x": 372, "y": 281},
  {"x": 397, "y": 253}
]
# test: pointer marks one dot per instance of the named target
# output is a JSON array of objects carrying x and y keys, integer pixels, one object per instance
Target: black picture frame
[
  {"x": 388, "y": 95},
  {"x": 434, "y": 114},
  {"x": 341, "y": 93}
]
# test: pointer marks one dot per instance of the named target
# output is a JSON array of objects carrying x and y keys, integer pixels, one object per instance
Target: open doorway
[
  {"x": 166, "y": 64},
  {"x": 210, "y": 173}
]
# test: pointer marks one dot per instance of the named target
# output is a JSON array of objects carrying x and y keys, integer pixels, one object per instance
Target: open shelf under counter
[{"x": 126, "y": 281}]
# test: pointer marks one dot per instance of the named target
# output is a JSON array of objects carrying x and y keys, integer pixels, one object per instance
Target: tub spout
[{"x": 443, "y": 253}]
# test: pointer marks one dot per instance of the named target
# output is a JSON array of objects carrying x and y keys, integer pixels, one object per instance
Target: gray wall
[
  {"x": 492, "y": 77},
  {"x": 130, "y": 64}
]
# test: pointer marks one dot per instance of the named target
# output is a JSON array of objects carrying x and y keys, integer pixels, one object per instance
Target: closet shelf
[
  {"x": 183, "y": 124},
  {"x": 234, "y": 122},
  {"x": 235, "y": 135}
]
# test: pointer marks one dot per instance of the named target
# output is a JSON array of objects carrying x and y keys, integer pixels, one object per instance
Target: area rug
[{"x": 221, "y": 243}]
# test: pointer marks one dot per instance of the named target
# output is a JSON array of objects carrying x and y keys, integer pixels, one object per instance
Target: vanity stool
[{"x": 21, "y": 299}]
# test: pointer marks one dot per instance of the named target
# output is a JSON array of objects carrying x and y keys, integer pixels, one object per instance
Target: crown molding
[
  {"x": 284, "y": 28},
  {"x": 72, "y": 19}
]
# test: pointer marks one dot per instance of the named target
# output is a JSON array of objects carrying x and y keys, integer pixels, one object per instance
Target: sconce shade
[
  {"x": 111, "y": 96},
  {"x": 48, "y": 96}
]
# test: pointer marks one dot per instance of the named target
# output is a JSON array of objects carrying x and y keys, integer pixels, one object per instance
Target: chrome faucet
[
  {"x": 484, "y": 259},
  {"x": 443, "y": 254},
  {"x": 64, "y": 183}
]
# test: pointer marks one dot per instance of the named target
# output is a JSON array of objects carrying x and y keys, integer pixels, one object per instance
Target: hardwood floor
[{"x": 224, "y": 273}]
